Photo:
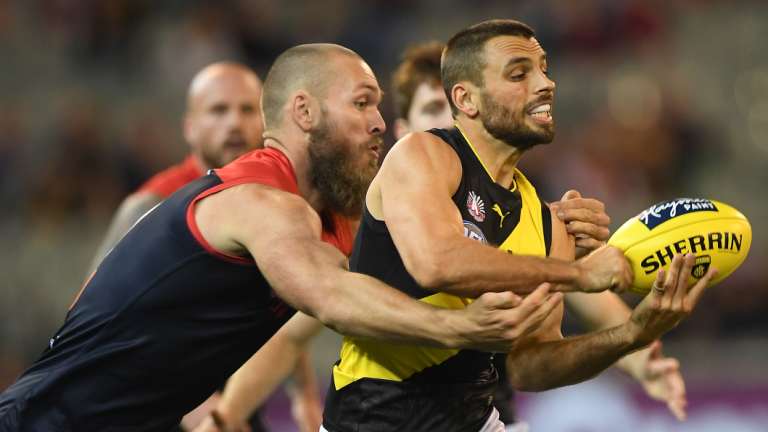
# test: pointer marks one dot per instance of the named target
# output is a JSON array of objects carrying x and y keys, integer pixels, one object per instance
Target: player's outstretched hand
[
  {"x": 585, "y": 219},
  {"x": 662, "y": 380},
  {"x": 604, "y": 268},
  {"x": 671, "y": 299},
  {"x": 499, "y": 320}
]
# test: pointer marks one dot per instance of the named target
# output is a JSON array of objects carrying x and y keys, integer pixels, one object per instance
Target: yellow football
[{"x": 718, "y": 234}]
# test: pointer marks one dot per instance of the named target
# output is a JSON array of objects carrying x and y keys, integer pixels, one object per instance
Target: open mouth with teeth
[{"x": 542, "y": 113}]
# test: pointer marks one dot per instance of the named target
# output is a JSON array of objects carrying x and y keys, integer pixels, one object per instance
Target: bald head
[
  {"x": 223, "y": 118},
  {"x": 216, "y": 73},
  {"x": 309, "y": 67}
]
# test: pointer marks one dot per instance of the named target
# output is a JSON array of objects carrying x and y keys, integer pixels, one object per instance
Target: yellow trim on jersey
[
  {"x": 365, "y": 358},
  {"x": 477, "y": 155},
  {"x": 528, "y": 237},
  {"x": 395, "y": 362}
]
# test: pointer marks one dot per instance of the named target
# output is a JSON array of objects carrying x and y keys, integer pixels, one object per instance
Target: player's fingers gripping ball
[{"x": 718, "y": 234}]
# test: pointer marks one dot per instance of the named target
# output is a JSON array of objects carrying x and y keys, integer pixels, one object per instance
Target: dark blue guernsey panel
[{"x": 158, "y": 327}]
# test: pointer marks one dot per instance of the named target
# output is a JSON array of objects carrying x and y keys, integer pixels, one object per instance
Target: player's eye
[
  {"x": 219, "y": 109},
  {"x": 433, "y": 108},
  {"x": 517, "y": 75},
  {"x": 361, "y": 103}
]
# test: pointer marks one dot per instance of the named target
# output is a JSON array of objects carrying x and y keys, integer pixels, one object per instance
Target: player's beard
[
  {"x": 333, "y": 172},
  {"x": 499, "y": 121},
  {"x": 234, "y": 146}
]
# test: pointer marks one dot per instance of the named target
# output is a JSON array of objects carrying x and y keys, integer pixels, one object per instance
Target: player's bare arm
[
  {"x": 585, "y": 219},
  {"x": 257, "y": 378},
  {"x": 282, "y": 233},
  {"x": 131, "y": 209},
  {"x": 659, "y": 375},
  {"x": 582, "y": 357},
  {"x": 412, "y": 193}
]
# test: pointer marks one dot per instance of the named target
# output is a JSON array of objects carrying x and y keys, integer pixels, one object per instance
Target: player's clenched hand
[
  {"x": 498, "y": 320},
  {"x": 585, "y": 219},
  {"x": 671, "y": 299},
  {"x": 604, "y": 268}
]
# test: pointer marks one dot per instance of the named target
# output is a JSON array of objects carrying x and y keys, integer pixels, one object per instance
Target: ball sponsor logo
[
  {"x": 664, "y": 211},
  {"x": 719, "y": 241}
]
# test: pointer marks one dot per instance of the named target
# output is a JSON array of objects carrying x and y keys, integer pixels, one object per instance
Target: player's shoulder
[
  {"x": 268, "y": 203},
  {"x": 267, "y": 166},
  {"x": 423, "y": 149}
]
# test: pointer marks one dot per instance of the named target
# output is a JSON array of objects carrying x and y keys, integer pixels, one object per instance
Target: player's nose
[{"x": 377, "y": 125}]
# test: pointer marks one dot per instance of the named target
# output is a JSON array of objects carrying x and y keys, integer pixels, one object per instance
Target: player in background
[
  {"x": 421, "y": 104},
  {"x": 222, "y": 121}
]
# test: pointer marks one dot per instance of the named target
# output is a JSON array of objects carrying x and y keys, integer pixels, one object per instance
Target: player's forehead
[
  {"x": 428, "y": 91},
  {"x": 228, "y": 86},
  {"x": 502, "y": 50},
  {"x": 351, "y": 74}
]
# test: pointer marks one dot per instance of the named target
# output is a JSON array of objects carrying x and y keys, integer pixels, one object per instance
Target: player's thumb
[
  {"x": 500, "y": 300},
  {"x": 571, "y": 194}
]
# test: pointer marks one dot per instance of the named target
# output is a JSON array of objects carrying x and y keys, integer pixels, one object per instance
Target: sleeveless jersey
[
  {"x": 380, "y": 386},
  {"x": 161, "y": 324},
  {"x": 173, "y": 178}
]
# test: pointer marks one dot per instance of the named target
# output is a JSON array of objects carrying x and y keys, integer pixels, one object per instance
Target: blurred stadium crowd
[{"x": 656, "y": 99}]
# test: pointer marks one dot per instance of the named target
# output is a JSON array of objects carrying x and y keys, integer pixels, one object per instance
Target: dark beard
[
  {"x": 342, "y": 187},
  {"x": 501, "y": 124}
]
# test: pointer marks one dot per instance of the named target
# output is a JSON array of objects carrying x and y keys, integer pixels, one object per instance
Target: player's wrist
[
  {"x": 635, "y": 334},
  {"x": 224, "y": 419},
  {"x": 580, "y": 277},
  {"x": 633, "y": 364},
  {"x": 452, "y": 328}
]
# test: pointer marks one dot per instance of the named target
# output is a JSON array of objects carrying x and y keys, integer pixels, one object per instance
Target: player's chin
[{"x": 545, "y": 132}]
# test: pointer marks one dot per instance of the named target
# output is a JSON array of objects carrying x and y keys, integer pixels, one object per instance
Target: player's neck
[
  {"x": 204, "y": 167},
  {"x": 499, "y": 158},
  {"x": 301, "y": 167}
]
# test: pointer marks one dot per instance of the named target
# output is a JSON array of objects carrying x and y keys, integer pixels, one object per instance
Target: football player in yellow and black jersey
[
  {"x": 440, "y": 199},
  {"x": 421, "y": 104}
]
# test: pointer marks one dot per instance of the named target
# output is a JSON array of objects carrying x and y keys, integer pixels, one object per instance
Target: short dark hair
[
  {"x": 464, "y": 59},
  {"x": 421, "y": 63}
]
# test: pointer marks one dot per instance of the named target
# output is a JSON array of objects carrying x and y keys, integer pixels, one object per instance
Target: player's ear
[
  {"x": 302, "y": 110},
  {"x": 464, "y": 97},
  {"x": 402, "y": 127},
  {"x": 189, "y": 129}
]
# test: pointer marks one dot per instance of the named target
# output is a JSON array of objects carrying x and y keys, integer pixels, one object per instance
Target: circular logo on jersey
[
  {"x": 476, "y": 206},
  {"x": 472, "y": 231}
]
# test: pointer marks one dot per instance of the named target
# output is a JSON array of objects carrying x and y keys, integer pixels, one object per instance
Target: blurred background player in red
[
  {"x": 222, "y": 121},
  {"x": 421, "y": 104}
]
